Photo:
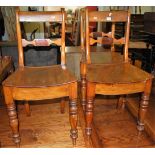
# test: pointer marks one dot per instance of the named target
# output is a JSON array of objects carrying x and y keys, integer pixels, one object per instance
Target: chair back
[
  {"x": 109, "y": 38},
  {"x": 42, "y": 16}
]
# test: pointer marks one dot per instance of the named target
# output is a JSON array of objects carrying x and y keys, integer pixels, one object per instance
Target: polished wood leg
[
  {"x": 89, "y": 116},
  {"x": 12, "y": 113},
  {"x": 27, "y": 108},
  {"x": 62, "y": 106},
  {"x": 144, "y": 105},
  {"x": 73, "y": 112},
  {"x": 121, "y": 102},
  {"x": 89, "y": 108},
  {"x": 83, "y": 92},
  {"x": 73, "y": 120},
  {"x": 83, "y": 85},
  {"x": 124, "y": 101},
  {"x": 142, "y": 111}
]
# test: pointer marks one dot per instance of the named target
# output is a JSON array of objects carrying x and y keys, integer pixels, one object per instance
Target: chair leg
[
  {"x": 83, "y": 93},
  {"x": 73, "y": 112},
  {"x": 121, "y": 102},
  {"x": 12, "y": 113},
  {"x": 62, "y": 106},
  {"x": 89, "y": 108},
  {"x": 73, "y": 120},
  {"x": 83, "y": 85},
  {"x": 142, "y": 111},
  {"x": 144, "y": 105},
  {"x": 27, "y": 108}
]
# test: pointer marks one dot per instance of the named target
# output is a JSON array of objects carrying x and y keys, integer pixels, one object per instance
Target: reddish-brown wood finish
[
  {"x": 107, "y": 16},
  {"x": 116, "y": 78},
  {"x": 98, "y": 54},
  {"x": 39, "y": 83},
  {"x": 41, "y": 16}
]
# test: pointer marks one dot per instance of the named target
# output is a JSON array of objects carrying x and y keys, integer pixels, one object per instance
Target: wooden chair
[
  {"x": 98, "y": 54},
  {"x": 116, "y": 78},
  {"x": 39, "y": 83}
]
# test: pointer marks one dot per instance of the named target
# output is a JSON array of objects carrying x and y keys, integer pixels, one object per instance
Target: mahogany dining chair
[
  {"x": 119, "y": 78},
  {"x": 98, "y": 53},
  {"x": 40, "y": 83}
]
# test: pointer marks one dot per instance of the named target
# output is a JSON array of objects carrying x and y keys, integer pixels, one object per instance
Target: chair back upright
[
  {"x": 82, "y": 28},
  {"x": 108, "y": 38},
  {"x": 41, "y": 16},
  {"x": 76, "y": 28}
]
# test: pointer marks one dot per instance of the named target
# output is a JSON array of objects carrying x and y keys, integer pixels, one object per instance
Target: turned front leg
[
  {"x": 83, "y": 85},
  {"x": 142, "y": 111},
  {"x": 73, "y": 120},
  {"x": 144, "y": 104},
  {"x": 73, "y": 111},
  {"x": 89, "y": 116},
  {"x": 12, "y": 113},
  {"x": 83, "y": 92},
  {"x": 89, "y": 108}
]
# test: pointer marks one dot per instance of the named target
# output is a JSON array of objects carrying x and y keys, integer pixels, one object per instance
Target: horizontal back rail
[
  {"x": 108, "y": 16},
  {"x": 41, "y": 42},
  {"x": 99, "y": 34},
  {"x": 40, "y": 16}
]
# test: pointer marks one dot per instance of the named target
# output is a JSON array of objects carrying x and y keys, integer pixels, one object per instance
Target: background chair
[
  {"x": 116, "y": 78},
  {"x": 39, "y": 83},
  {"x": 75, "y": 52},
  {"x": 6, "y": 68}
]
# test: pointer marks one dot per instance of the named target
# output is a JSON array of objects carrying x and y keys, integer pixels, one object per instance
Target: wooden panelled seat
[
  {"x": 39, "y": 83},
  {"x": 40, "y": 77},
  {"x": 116, "y": 78}
]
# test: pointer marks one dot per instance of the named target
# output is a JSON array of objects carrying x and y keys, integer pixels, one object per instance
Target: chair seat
[
  {"x": 124, "y": 73},
  {"x": 39, "y": 77}
]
